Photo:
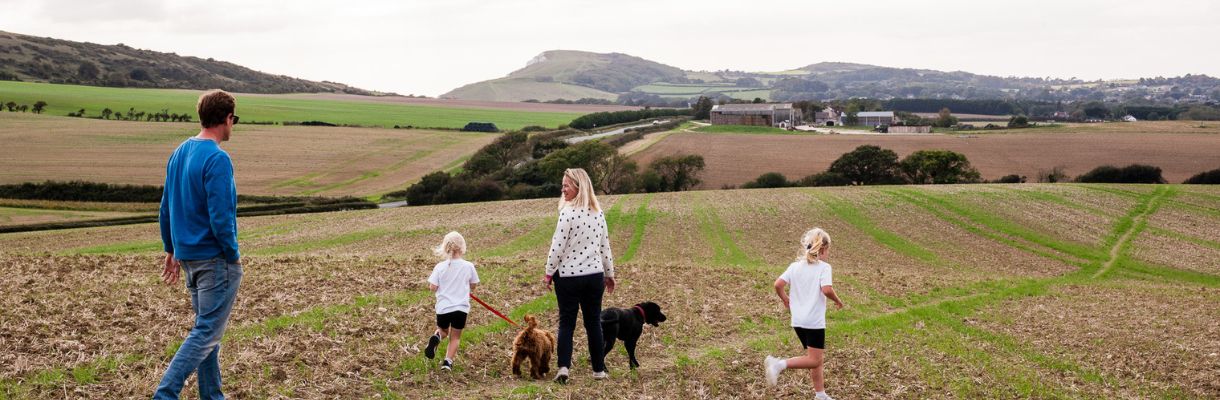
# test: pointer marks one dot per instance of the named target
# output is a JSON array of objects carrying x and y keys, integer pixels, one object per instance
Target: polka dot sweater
[{"x": 581, "y": 245}]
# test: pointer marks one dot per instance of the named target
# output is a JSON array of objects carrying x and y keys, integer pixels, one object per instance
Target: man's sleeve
[
  {"x": 222, "y": 204},
  {"x": 167, "y": 237}
]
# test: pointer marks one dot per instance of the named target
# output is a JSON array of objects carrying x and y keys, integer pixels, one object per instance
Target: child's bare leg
[
  {"x": 819, "y": 380},
  {"x": 811, "y": 360},
  {"x": 455, "y": 339},
  {"x": 441, "y": 333}
]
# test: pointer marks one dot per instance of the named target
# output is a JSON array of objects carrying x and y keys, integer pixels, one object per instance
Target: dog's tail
[{"x": 531, "y": 321}]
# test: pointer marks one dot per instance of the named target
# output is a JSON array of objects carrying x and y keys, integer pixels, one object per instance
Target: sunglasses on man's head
[{"x": 235, "y": 119}]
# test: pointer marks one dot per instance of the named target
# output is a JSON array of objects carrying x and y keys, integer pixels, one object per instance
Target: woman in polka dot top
[{"x": 581, "y": 267}]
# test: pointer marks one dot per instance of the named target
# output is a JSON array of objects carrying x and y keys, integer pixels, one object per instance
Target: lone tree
[
  {"x": 868, "y": 165},
  {"x": 39, "y": 106},
  {"x": 1018, "y": 121},
  {"x": 12, "y": 106},
  {"x": 938, "y": 167},
  {"x": 703, "y": 108},
  {"x": 106, "y": 112},
  {"x": 945, "y": 118}
]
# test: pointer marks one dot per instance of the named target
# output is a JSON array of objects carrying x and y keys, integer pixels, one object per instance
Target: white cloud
[{"x": 430, "y": 47}]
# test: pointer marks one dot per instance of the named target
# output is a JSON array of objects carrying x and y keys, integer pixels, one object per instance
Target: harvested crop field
[
  {"x": 1179, "y": 149},
  {"x": 269, "y": 160},
  {"x": 952, "y": 292}
]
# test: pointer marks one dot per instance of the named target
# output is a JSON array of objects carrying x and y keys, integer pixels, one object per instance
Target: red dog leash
[{"x": 493, "y": 311}]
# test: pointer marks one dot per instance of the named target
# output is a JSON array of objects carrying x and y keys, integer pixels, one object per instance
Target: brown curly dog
[{"x": 536, "y": 345}]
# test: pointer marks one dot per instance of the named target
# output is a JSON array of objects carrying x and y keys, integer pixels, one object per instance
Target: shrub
[
  {"x": 1134, "y": 173},
  {"x": 424, "y": 191},
  {"x": 825, "y": 179},
  {"x": 1018, "y": 121},
  {"x": 1205, "y": 178},
  {"x": 1014, "y": 178},
  {"x": 767, "y": 180},
  {"x": 1053, "y": 175},
  {"x": 480, "y": 127}
]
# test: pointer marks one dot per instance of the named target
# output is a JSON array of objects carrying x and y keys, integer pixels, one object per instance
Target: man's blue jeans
[{"x": 213, "y": 285}]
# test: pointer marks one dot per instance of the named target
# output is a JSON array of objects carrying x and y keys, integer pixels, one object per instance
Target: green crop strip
[
  {"x": 534, "y": 238},
  {"x": 997, "y": 236},
  {"x": 725, "y": 249},
  {"x": 852, "y": 215}
]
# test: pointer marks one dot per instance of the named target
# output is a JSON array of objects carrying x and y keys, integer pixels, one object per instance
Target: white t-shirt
[
  {"x": 805, "y": 297},
  {"x": 453, "y": 279}
]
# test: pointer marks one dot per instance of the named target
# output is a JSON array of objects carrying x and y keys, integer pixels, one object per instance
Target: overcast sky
[{"x": 430, "y": 47}]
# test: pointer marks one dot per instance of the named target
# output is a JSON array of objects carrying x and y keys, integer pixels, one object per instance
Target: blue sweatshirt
[{"x": 199, "y": 205}]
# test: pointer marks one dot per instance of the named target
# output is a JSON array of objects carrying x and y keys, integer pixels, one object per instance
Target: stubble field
[
  {"x": 269, "y": 160},
  {"x": 971, "y": 291}
]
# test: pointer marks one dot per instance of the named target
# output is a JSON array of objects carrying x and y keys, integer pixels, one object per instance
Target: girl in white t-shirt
[
  {"x": 810, "y": 278},
  {"x": 452, "y": 280}
]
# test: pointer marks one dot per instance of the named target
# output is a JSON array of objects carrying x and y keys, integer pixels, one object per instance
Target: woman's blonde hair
[
  {"x": 585, "y": 198},
  {"x": 453, "y": 246},
  {"x": 812, "y": 244}
]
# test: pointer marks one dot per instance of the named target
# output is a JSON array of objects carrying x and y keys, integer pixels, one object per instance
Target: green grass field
[
  {"x": 63, "y": 99},
  {"x": 953, "y": 291}
]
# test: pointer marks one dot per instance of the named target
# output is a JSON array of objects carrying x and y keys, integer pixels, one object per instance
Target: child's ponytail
[
  {"x": 812, "y": 244},
  {"x": 453, "y": 246}
]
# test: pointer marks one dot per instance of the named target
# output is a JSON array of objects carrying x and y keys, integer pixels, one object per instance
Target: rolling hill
[
  {"x": 37, "y": 59},
  {"x": 572, "y": 75}
]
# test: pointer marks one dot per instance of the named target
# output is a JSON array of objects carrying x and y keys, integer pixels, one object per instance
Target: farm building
[
  {"x": 781, "y": 114},
  {"x": 828, "y": 117},
  {"x": 874, "y": 118}
]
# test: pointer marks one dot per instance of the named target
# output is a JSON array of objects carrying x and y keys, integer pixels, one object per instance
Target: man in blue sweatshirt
[{"x": 199, "y": 230}]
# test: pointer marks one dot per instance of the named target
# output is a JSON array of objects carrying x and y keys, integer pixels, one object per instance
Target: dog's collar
[{"x": 642, "y": 314}]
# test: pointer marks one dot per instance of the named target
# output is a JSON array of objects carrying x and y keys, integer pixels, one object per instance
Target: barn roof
[
  {"x": 751, "y": 107},
  {"x": 875, "y": 114}
]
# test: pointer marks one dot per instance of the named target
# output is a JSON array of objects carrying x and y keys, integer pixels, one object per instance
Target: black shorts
[
  {"x": 815, "y": 338},
  {"x": 454, "y": 319}
]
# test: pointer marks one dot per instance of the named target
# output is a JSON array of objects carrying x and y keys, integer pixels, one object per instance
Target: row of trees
[
  {"x": 873, "y": 165},
  {"x": 590, "y": 121},
  {"x": 38, "y": 108},
  {"x": 132, "y": 115}
]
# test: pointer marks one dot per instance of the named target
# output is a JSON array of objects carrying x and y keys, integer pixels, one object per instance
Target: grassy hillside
[
  {"x": 509, "y": 89},
  {"x": 31, "y": 58},
  {"x": 997, "y": 291},
  {"x": 62, "y": 99},
  {"x": 552, "y": 74}
]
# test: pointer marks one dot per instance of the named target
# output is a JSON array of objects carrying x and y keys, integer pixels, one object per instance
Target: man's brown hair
[{"x": 214, "y": 106}]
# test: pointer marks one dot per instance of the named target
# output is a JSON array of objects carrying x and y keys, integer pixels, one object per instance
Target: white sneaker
[
  {"x": 823, "y": 396},
  {"x": 772, "y": 368},
  {"x": 600, "y": 375},
  {"x": 562, "y": 375}
]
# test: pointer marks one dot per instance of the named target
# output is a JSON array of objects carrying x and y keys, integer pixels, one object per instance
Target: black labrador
[{"x": 627, "y": 324}]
